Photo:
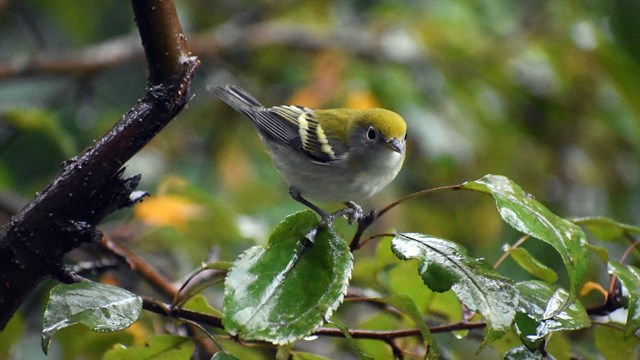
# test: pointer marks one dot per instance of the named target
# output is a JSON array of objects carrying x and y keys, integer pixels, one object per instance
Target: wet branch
[{"x": 90, "y": 186}]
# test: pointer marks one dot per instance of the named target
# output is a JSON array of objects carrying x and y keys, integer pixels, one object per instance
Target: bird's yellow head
[
  {"x": 362, "y": 126},
  {"x": 382, "y": 127}
]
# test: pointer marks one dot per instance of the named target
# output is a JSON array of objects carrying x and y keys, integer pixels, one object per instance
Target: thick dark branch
[
  {"x": 165, "y": 46},
  {"x": 64, "y": 214}
]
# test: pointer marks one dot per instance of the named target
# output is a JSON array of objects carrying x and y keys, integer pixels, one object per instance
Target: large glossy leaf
[
  {"x": 159, "y": 347},
  {"x": 445, "y": 264},
  {"x": 536, "y": 297},
  {"x": 288, "y": 289},
  {"x": 629, "y": 276},
  {"x": 525, "y": 214},
  {"x": 100, "y": 307}
]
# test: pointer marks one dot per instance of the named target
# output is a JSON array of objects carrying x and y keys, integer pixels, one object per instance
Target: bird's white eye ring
[{"x": 372, "y": 134}]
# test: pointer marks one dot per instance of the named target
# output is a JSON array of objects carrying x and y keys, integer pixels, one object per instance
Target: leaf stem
[
  {"x": 505, "y": 253},
  {"x": 365, "y": 222}
]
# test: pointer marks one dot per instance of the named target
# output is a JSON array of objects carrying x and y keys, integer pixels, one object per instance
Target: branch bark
[{"x": 64, "y": 214}]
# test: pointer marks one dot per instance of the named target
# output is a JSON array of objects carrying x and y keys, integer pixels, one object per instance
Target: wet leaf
[
  {"x": 100, "y": 307},
  {"x": 158, "y": 347},
  {"x": 223, "y": 355},
  {"x": 629, "y": 276},
  {"x": 523, "y": 353},
  {"x": 476, "y": 284},
  {"x": 288, "y": 289},
  {"x": 530, "y": 217},
  {"x": 536, "y": 300},
  {"x": 532, "y": 265}
]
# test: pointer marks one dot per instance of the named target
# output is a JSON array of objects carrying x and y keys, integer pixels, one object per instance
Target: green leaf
[
  {"x": 530, "y": 217},
  {"x": 477, "y": 285},
  {"x": 532, "y": 265},
  {"x": 288, "y": 289},
  {"x": 100, "y": 307},
  {"x": 44, "y": 122},
  {"x": 199, "y": 303},
  {"x": 408, "y": 307},
  {"x": 601, "y": 252},
  {"x": 605, "y": 228},
  {"x": 613, "y": 344},
  {"x": 536, "y": 297},
  {"x": 158, "y": 347},
  {"x": 10, "y": 335},
  {"x": 523, "y": 353},
  {"x": 351, "y": 341},
  {"x": 299, "y": 355},
  {"x": 629, "y": 276}
]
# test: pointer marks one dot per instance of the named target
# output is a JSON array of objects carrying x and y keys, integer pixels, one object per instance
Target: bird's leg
[
  {"x": 353, "y": 212},
  {"x": 295, "y": 194},
  {"x": 326, "y": 217}
]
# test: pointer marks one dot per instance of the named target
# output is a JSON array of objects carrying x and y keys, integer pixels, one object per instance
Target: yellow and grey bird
[{"x": 333, "y": 155}]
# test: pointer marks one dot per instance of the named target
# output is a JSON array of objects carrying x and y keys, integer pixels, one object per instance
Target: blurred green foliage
[{"x": 544, "y": 92}]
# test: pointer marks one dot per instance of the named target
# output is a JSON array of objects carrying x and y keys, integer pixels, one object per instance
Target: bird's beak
[{"x": 396, "y": 145}]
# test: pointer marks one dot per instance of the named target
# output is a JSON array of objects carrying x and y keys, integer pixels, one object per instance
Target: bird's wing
[{"x": 310, "y": 137}]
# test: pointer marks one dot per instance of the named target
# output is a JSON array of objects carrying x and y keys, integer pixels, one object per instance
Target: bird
[{"x": 327, "y": 155}]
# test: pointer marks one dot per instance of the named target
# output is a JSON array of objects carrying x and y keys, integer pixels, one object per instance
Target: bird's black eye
[
  {"x": 405, "y": 136},
  {"x": 372, "y": 134}
]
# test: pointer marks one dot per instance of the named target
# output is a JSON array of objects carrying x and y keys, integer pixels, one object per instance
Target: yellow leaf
[
  {"x": 590, "y": 286},
  {"x": 361, "y": 99},
  {"x": 167, "y": 210}
]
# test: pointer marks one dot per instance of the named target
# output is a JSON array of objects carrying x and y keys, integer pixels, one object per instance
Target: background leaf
[
  {"x": 613, "y": 344},
  {"x": 100, "y": 307},
  {"x": 406, "y": 305},
  {"x": 605, "y": 228},
  {"x": 475, "y": 282},
  {"x": 532, "y": 265},
  {"x": 288, "y": 289},
  {"x": 157, "y": 347}
]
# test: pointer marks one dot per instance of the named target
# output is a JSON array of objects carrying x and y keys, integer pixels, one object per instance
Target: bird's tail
[{"x": 236, "y": 97}]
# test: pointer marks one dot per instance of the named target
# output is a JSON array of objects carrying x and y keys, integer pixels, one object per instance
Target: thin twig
[
  {"x": 414, "y": 195},
  {"x": 368, "y": 220},
  {"x": 138, "y": 265},
  {"x": 613, "y": 291},
  {"x": 505, "y": 253}
]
